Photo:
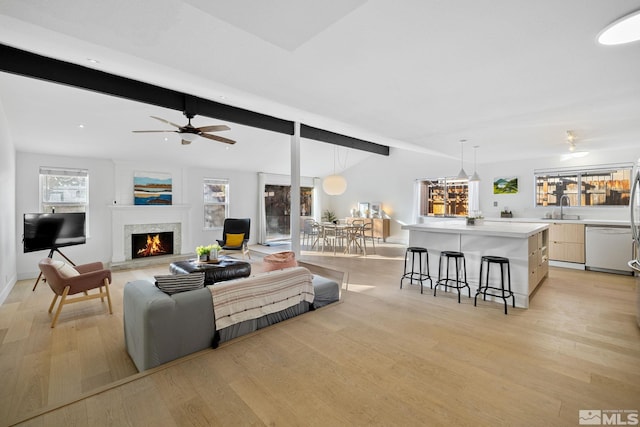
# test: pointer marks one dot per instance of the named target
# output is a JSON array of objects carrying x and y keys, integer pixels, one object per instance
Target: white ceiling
[{"x": 510, "y": 76}]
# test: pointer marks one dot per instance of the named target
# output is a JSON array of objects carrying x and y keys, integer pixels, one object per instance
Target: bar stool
[
  {"x": 419, "y": 275},
  {"x": 504, "y": 293},
  {"x": 461, "y": 267}
]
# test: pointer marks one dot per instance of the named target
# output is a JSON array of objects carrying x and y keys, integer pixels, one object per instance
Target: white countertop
[
  {"x": 518, "y": 230},
  {"x": 601, "y": 222}
]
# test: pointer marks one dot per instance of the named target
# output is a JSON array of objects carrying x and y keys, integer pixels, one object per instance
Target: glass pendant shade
[
  {"x": 334, "y": 185},
  {"x": 189, "y": 136}
]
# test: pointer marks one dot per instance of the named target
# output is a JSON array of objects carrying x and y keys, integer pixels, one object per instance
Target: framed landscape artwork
[
  {"x": 505, "y": 185},
  {"x": 152, "y": 188}
]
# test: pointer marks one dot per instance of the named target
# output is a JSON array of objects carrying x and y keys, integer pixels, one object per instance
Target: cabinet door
[
  {"x": 567, "y": 251},
  {"x": 566, "y": 242}
]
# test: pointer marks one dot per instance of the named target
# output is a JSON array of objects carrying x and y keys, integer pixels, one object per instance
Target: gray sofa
[{"x": 159, "y": 328}]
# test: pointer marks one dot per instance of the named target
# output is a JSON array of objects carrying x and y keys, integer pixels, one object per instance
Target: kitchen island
[{"x": 525, "y": 244}]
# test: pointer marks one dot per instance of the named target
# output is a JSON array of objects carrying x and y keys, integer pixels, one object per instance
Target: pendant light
[
  {"x": 475, "y": 177},
  {"x": 462, "y": 174},
  {"x": 334, "y": 185}
]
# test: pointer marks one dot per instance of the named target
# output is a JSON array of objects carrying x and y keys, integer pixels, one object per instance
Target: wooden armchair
[{"x": 65, "y": 280}]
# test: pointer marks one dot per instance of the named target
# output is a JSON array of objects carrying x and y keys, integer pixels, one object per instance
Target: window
[
  {"x": 595, "y": 186},
  {"x": 64, "y": 190},
  {"x": 216, "y": 202},
  {"x": 444, "y": 196}
]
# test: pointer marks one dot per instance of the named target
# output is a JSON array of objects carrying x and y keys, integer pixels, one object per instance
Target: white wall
[
  {"x": 390, "y": 180},
  {"x": 522, "y": 203},
  {"x": 243, "y": 202},
  {"x": 111, "y": 181},
  {"x": 101, "y": 195},
  {"x": 8, "y": 273}
]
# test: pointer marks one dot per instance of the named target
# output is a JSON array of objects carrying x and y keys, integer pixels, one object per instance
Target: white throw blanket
[{"x": 249, "y": 298}]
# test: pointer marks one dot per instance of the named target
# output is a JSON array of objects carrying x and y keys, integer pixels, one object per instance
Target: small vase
[{"x": 214, "y": 255}]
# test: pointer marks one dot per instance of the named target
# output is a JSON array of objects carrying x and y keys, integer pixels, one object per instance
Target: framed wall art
[
  {"x": 507, "y": 185},
  {"x": 152, "y": 188}
]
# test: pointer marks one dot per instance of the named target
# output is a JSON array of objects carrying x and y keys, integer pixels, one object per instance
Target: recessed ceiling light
[
  {"x": 81, "y": 126},
  {"x": 624, "y": 30}
]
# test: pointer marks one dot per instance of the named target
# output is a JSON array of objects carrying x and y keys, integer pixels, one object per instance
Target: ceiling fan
[{"x": 190, "y": 133}]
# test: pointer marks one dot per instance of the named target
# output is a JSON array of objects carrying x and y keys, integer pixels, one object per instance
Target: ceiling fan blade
[
  {"x": 142, "y": 131},
  {"x": 214, "y": 128},
  {"x": 166, "y": 121},
  {"x": 217, "y": 138}
]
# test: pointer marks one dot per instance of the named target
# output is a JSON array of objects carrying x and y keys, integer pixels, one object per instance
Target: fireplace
[{"x": 151, "y": 244}]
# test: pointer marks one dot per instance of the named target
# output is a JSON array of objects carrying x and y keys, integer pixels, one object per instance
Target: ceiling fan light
[
  {"x": 189, "y": 136},
  {"x": 334, "y": 185}
]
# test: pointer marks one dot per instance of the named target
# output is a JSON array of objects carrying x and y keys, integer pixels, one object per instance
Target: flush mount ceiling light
[
  {"x": 462, "y": 174},
  {"x": 624, "y": 30}
]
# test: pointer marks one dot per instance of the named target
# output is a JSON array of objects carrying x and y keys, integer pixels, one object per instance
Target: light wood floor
[{"x": 384, "y": 356}]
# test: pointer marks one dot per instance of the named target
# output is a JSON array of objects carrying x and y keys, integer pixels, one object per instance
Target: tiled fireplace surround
[{"x": 127, "y": 220}]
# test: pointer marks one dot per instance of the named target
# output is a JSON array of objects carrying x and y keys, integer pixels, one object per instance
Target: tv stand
[{"x": 51, "y": 252}]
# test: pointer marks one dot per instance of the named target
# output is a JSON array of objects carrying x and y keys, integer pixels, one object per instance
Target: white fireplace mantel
[{"x": 122, "y": 215}]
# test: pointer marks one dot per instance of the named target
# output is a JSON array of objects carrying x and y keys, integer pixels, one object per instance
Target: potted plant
[
  {"x": 329, "y": 216},
  {"x": 214, "y": 251},
  {"x": 208, "y": 252},
  {"x": 203, "y": 253},
  {"x": 475, "y": 218}
]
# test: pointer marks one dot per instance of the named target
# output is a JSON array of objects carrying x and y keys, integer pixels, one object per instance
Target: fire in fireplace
[{"x": 151, "y": 244}]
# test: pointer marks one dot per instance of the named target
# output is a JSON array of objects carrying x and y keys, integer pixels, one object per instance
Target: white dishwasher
[{"x": 608, "y": 248}]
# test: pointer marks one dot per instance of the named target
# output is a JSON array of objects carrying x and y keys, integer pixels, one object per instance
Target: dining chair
[
  {"x": 367, "y": 234},
  {"x": 356, "y": 236},
  {"x": 310, "y": 232},
  {"x": 332, "y": 235}
]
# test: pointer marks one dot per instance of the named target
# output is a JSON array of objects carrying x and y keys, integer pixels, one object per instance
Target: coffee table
[{"x": 226, "y": 269}]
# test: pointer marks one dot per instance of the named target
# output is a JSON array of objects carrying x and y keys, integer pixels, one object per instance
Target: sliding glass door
[{"x": 277, "y": 206}]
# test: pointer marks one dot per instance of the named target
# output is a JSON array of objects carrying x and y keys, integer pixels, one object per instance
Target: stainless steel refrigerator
[{"x": 634, "y": 206}]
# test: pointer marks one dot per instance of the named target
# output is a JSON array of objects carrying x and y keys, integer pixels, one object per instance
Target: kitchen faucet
[{"x": 564, "y": 197}]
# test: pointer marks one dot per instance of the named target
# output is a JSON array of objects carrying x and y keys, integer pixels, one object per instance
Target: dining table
[{"x": 346, "y": 235}]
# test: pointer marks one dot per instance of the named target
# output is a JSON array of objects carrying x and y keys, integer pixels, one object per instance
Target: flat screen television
[{"x": 46, "y": 231}]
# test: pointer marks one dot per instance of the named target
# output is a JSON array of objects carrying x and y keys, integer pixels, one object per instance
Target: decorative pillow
[
  {"x": 234, "y": 240},
  {"x": 279, "y": 260},
  {"x": 173, "y": 283},
  {"x": 64, "y": 269}
]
